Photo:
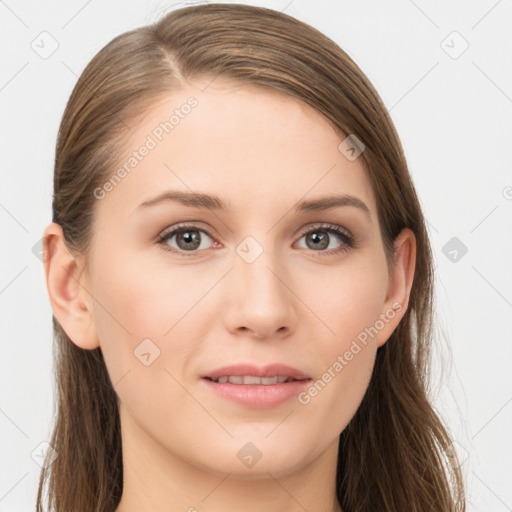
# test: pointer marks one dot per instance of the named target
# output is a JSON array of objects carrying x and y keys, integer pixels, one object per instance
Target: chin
[{"x": 254, "y": 460}]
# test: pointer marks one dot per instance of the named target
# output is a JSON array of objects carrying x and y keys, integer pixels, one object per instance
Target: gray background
[{"x": 452, "y": 107}]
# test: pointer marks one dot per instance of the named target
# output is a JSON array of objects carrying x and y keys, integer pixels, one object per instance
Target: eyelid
[
  {"x": 325, "y": 225},
  {"x": 195, "y": 225}
]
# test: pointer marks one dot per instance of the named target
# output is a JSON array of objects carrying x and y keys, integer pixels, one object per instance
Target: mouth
[
  {"x": 256, "y": 387},
  {"x": 252, "y": 380},
  {"x": 250, "y": 374}
]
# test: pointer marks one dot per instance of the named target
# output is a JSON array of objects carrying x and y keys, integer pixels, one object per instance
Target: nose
[{"x": 259, "y": 299}]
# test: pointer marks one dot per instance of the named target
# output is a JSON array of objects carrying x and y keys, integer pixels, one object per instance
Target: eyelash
[{"x": 348, "y": 240}]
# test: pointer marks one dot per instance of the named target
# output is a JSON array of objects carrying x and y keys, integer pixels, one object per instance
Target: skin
[{"x": 261, "y": 152}]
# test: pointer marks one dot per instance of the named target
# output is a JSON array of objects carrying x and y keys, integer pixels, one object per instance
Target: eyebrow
[{"x": 213, "y": 202}]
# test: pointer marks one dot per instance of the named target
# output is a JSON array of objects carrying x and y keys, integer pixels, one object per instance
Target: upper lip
[{"x": 270, "y": 370}]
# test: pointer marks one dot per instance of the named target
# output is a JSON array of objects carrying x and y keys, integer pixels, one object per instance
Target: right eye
[{"x": 188, "y": 240}]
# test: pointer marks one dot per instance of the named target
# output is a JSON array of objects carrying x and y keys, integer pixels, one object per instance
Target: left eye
[{"x": 319, "y": 239}]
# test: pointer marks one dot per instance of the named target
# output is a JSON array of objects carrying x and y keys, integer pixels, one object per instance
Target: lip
[
  {"x": 258, "y": 396},
  {"x": 270, "y": 370}
]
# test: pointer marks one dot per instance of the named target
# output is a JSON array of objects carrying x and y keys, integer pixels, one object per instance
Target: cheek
[
  {"x": 142, "y": 325},
  {"x": 332, "y": 399},
  {"x": 345, "y": 300},
  {"x": 139, "y": 300},
  {"x": 358, "y": 304},
  {"x": 349, "y": 308}
]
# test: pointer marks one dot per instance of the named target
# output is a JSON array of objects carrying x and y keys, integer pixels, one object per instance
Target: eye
[
  {"x": 320, "y": 237},
  {"x": 189, "y": 239}
]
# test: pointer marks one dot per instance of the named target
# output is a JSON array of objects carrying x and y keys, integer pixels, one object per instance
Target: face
[{"x": 184, "y": 289}]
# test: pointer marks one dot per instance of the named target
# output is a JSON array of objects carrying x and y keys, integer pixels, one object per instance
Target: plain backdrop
[{"x": 443, "y": 69}]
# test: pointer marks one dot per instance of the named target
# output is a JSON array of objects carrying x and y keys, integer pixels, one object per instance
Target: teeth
[
  {"x": 249, "y": 379},
  {"x": 252, "y": 380}
]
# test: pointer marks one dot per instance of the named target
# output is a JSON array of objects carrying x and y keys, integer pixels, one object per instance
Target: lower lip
[{"x": 258, "y": 396}]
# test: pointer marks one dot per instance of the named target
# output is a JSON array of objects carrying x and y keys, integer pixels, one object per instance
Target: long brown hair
[{"x": 395, "y": 453}]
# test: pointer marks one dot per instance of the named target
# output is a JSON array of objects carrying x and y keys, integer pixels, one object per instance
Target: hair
[{"x": 395, "y": 452}]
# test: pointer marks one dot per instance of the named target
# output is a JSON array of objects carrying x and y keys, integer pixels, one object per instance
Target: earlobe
[
  {"x": 400, "y": 282},
  {"x": 70, "y": 301}
]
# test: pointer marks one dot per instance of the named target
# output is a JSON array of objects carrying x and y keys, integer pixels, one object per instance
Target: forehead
[{"x": 248, "y": 145}]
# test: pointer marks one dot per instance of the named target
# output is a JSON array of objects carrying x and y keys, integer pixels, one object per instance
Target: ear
[
  {"x": 400, "y": 283},
  {"x": 70, "y": 301}
]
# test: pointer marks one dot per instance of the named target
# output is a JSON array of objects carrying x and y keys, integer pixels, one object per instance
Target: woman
[{"x": 241, "y": 281}]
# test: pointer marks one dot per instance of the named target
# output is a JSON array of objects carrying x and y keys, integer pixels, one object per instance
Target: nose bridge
[
  {"x": 261, "y": 301},
  {"x": 256, "y": 267}
]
